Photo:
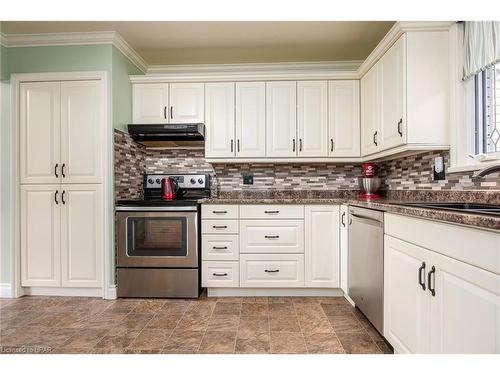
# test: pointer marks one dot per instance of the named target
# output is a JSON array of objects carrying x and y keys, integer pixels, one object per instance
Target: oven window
[{"x": 156, "y": 236}]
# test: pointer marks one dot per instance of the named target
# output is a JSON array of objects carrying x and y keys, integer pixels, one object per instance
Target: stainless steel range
[{"x": 158, "y": 240}]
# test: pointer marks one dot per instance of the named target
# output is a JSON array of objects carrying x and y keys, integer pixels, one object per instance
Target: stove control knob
[
  {"x": 158, "y": 181},
  {"x": 150, "y": 181},
  {"x": 193, "y": 181},
  {"x": 200, "y": 181}
]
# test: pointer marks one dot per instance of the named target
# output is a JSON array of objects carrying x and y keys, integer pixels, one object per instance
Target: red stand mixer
[{"x": 369, "y": 182}]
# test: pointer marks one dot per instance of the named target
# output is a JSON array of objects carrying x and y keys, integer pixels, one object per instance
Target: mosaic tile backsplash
[{"x": 408, "y": 173}]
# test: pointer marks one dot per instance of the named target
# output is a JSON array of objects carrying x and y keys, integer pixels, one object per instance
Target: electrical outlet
[
  {"x": 439, "y": 168},
  {"x": 248, "y": 179}
]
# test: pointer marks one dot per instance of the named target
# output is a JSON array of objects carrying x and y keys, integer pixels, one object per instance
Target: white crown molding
[
  {"x": 393, "y": 35},
  {"x": 79, "y": 38}
]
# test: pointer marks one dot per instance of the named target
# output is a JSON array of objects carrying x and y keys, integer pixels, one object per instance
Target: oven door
[{"x": 157, "y": 239}]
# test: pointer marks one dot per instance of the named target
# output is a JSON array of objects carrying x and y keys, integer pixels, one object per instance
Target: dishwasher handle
[{"x": 370, "y": 220}]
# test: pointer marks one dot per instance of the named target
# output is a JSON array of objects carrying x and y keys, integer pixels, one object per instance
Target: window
[{"x": 487, "y": 111}]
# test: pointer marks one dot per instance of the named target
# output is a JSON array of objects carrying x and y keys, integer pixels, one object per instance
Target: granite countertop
[{"x": 394, "y": 202}]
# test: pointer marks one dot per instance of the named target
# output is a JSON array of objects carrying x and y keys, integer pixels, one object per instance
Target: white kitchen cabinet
[
  {"x": 251, "y": 119},
  {"x": 406, "y": 304},
  {"x": 40, "y": 220},
  {"x": 392, "y": 68},
  {"x": 219, "y": 120},
  {"x": 312, "y": 118},
  {"x": 220, "y": 274},
  {"x": 370, "y": 111},
  {"x": 40, "y": 132},
  {"x": 322, "y": 246},
  {"x": 187, "y": 103},
  {"x": 81, "y": 235},
  {"x": 150, "y": 103},
  {"x": 344, "y": 118},
  {"x": 82, "y": 121},
  {"x": 272, "y": 270},
  {"x": 405, "y": 95},
  {"x": 434, "y": 301},
  {"x": 465, "y": 310},
  {"x": 281, "y": 119},
  {"x": 220, "y": 247},
  {"x": 271, "y": 211}
]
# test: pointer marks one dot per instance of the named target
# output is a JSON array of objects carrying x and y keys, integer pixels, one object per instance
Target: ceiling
[{"x": 193, "y": 42}]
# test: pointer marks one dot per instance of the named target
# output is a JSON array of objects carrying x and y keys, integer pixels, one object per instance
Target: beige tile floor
[{"x": 206, "y": 325}]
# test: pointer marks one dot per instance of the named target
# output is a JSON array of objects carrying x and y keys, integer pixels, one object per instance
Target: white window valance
[{"x": 481, "y": 46}]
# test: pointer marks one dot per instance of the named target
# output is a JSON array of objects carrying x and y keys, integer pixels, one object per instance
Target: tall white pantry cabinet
[{"x": 61, "y": 175}]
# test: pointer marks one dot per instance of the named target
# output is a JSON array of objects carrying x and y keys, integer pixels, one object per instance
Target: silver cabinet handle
[
  {"x": 219, "y": 274},
  {"x": 272, "y": 212},
  {"x": 219, "y": 226},
  {"x": 272, "y": 237},
  {"x": 342, "y": 219},
  {"x": 219, "y": 247},
  {"x": 271, "y": 271}
]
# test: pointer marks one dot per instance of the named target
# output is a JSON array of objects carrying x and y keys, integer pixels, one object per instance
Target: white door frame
[{"x": 17, "y": 290}]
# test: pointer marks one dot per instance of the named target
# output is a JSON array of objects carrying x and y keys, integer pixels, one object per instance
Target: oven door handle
[{"x": 158, "y": 209}]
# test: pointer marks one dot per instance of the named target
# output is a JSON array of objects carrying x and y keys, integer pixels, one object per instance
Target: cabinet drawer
[
  {"x": 273, "y": 211},
  {"x": 219, "y": 226},
  {"x": 219, "y": 211},
  {"x": 217, "y": 247},
  {"x": 271, "y": 236},
  {"x": 220, "y": 274},
  {"x": 272, "y": 270}
]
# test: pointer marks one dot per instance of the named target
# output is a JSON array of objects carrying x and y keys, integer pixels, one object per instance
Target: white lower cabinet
[
  {"x": 61, "y": 235},
  {"x": 436, "y": 304},
  {"x": 322, "y": 246},
  {"x": 271, "y": 236},
  {"x": 220, "y": 274},
  {"x": 220, "y": 247},
  {"x": 272, "y": 270}
]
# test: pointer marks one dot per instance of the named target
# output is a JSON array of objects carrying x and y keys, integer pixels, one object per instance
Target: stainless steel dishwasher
[{"x": 366, "y": 263}]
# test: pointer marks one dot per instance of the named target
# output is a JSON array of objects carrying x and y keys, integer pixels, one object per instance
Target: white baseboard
[
  {"x": 274, "y": 292},
  {"x": 111, "y": 292},
  {"x": 63, "y": 292},
  {"x": 349, "y": 300},
  {"x": 5, "y": 290}
]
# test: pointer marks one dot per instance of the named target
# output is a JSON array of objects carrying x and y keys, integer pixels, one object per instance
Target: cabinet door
[
  {"x": 465, "y": 309},
  {"x": 82, "y": 126},
  {"x": 150, "y": 103},
  {"x": 187, "y": 103},
  {"x": 251, "y": 119},
  {"x": 40, "y": 133},
  {"x": 393, "y": 95},
  {"x": 219, "y": 125},
  {"x": 81, "y": 235},
  {"x": 40, "y": 235},
  {"x": 406, "y": 304},
  {"x": 343, "y": 118},
  {"x": 322, "y": 246},
  {"x": 344, "y": 246},
  {"x": 281, "y": 119},
  {"x": 312, "y": 118},
  {"x": 370, "y": 111}
]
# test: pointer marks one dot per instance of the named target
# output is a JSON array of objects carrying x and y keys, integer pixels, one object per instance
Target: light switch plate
[{"x": 248, "y": 179}]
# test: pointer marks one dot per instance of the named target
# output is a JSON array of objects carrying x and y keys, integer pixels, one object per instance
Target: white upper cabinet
[
  {"x": 251, "y": 119},
  {"x": 281, "y": 119},
  {"x": 187, "y": 103},
  {"x": 312, "y": 118},
  {"x": 343, "y": 118},
  {"x": 322, "y": 255},
  {"x": 150, "y": 103},
  {"x": 82, "y": 124},
  {"x": 40, "y": 241},
  {"x": 370, "y": 112},
  {"x": 40, "y": 132},
  {"x": 81, "y": 235},
  {"x": 219, "y": 120},
  {"x": 393, "y": 95}
]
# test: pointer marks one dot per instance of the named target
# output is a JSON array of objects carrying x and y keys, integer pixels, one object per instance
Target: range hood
[{"x": 187, "y": 136}]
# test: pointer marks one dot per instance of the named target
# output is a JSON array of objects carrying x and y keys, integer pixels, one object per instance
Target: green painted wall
[{"x": 102, "y": 57}]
